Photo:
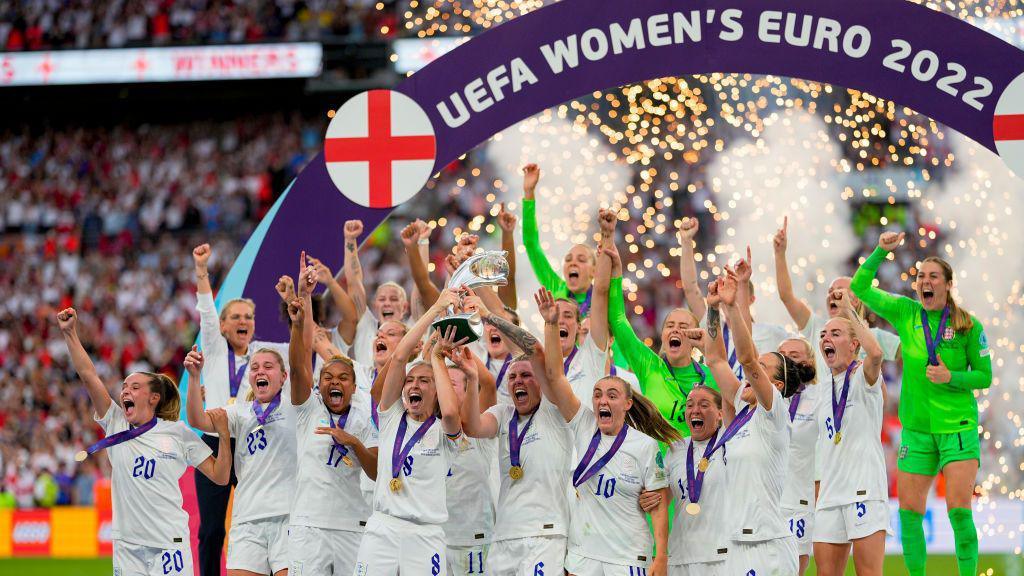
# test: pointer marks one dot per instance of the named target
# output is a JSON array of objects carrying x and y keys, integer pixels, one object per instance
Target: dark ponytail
[{"x": 794, "y": 376}]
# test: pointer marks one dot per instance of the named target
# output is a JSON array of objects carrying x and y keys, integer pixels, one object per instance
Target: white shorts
[
  {"x": 533, "y": 556},
  {"x": 801, "y": 524},
  {"x": 259, "y": 546},
  {"x": 138, "y": 560},
  {"x": 391, "y": 546},
  {"x": 322, "y": 552},
  {"x": 849, "y": 522},
  {"x": 776, "y": 557},
  {"x": 577, "y": 565},
  {"x": 698, "y": 569},
  {"x": 465, "y": 560}
]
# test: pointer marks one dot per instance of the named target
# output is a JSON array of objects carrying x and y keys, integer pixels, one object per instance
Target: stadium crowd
[{"x": 49, "y": 24}]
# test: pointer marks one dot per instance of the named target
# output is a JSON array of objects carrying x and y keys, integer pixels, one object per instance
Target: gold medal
[
  {"x": 396, "y": 484},
  {"x": 839, "y": 436},
  {"x": 347, "y": 461},
  {"x": 231, "y": 401},
  {"x": 693, "y": 508},
  {"x": 577, "y": 493},
  {"x": 515, "y": 472},
  {"x": 81, "y": 456},
  {"x": 703, "y": 467}
]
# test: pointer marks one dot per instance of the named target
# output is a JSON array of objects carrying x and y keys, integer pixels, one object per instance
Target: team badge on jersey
[{"x": 948, "y": 333}]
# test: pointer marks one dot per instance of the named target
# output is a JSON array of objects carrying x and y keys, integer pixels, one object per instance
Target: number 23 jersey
[
  {"x": 265, "y": 461},
  {"x": 146, "y": 499}
]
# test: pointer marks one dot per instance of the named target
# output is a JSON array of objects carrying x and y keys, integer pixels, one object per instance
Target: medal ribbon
[
  {"x": 340, "y": 426},
  {"x": 838, "y": 408},
  {"x": 696, "y": 368},
  {"x": 933, "y": 345},
  {"x": 120, "y": 437},
  {"x": 501, "y": 372},
  {"x": 568, "y": 360},
  {"x": 515, "y": 439},
  {"x": 261, "y": 414},
  {"x": 794, "y": 402},
  {"x": 234, "y": 375},
  {"x": 373, "y": 405},
  {"x": 399, "y": 455},
  {"x": 578, "y": 475},
  {"x": 694, "y": 482},
  {"x": 585, "y": 305}
]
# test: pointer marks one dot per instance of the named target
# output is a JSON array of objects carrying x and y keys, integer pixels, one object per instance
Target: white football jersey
[
  {"x": 767, "y": 338},
  {"x": 145, "y": 496},
  {"x": 536, "y": 504},
  {"x": 215, "y": 349},
  {"x": 586, "y": 368},
  {"x": 421, "y": 499},
  {"x": 705, "y": 536},
  {"x": 798, "y": 492},
  {"x": 853, "y": 470},
  {"x": 468, "y": 486},
  {"x": 607, "y": 523},
  {"x": 265, "y": 460},
  {"x": 366, "y": 332},
  {"x": 757, "y": 457},
  {"x": 331, "y": 497}
]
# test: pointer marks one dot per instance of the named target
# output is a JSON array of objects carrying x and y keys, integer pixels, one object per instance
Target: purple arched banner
[{"x": 934, "y": 63}]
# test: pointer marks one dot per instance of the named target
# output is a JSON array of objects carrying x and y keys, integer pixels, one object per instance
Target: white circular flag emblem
[
  {"x": 1008, "y": 126},
  {"x": 380, "y": 148}
]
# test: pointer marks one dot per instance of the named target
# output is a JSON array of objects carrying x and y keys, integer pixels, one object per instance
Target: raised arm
[
  {"x": 558, "y": 390},
  {"x": 341, "y": 299},
  {"x": 412, "y": 235},
  {"x": 197, "y": 417},
  {"x": 352, "y": 268},
  {"x": 542, "y": 269},
  {"x": 394, "y": 380},
  {"x": 797, "y": 308},
  {"x": 641, "y": 359},
  {"x": 218, "y": 468},
  {"x": 879, "y": 301},
  {"x": 201, "y": 259},
  {"x": 446, "y": 345},
  {"x": 67, "y": 320},
  {"x": 507, "y": 222},
  {"x": 209, "y": 320},
  {"x": 746, "y": 352},
  {"x": 476, "y": 421},
  {"x": 873, "y": 362},
  {"x": 744, "y": 297},
  {"x": 607, "y": 265},
  {"x": 688, "y": 228},
  {"x": 711, "y": 343},
  {"x": 300, "y": 311}
]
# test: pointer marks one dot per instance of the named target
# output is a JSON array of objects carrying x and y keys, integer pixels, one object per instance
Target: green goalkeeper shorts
[{"x": 926, "y": 454}]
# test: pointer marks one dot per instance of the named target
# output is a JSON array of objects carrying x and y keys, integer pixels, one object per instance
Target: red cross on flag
[
  {"x": 1008, "y": 126},
  {"x": 380, "y": 148}
]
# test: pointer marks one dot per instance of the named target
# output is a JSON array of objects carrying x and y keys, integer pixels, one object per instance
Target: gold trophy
[{"x": 484, "y": 269}]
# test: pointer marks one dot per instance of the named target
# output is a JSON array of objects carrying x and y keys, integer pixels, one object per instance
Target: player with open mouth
[
  {"x": 625, "y": 429},
  {"x": 265, "y": 461},
  {"x": 852, "y": 508},
  {"x": 336, "y": 441},
  {"x": 945, "y": 359},
  {"x": 149, "y": 450},
  {"x": 756, "y": 435},
  {"x": 421, "y": 438}
]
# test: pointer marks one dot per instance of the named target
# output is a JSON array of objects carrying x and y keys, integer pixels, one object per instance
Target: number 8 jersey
[{"x": 146, "y": 499}]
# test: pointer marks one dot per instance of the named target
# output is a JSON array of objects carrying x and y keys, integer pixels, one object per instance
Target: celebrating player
[
  {"x": 758, "y": 438},
  {"x": 404, "y": 534},
  {"x": 336, "y": 440},
  {"x": 625, "y": 429},
  {"x": 852, "y": 503},
  {"x": 665, "y": 378},
  {"x": 149, "y": 450},
  {"x": 945, "y": 359}
]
